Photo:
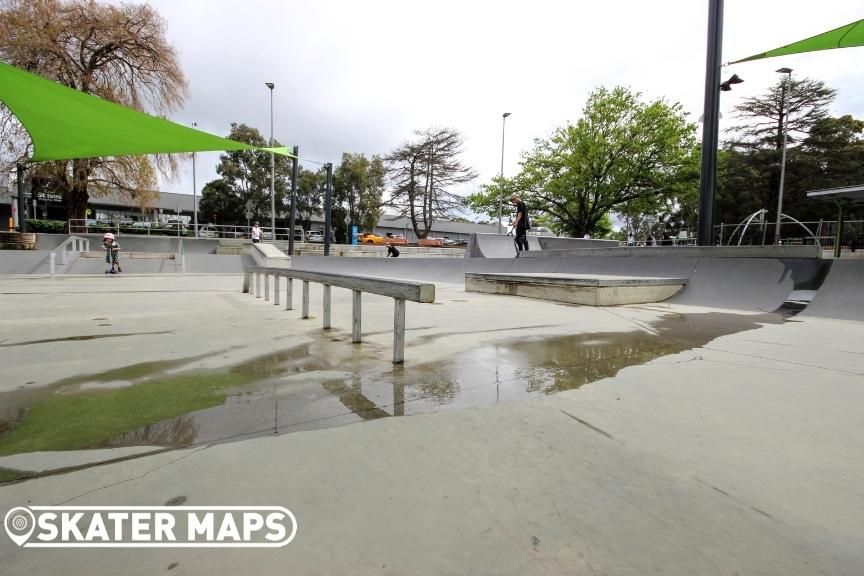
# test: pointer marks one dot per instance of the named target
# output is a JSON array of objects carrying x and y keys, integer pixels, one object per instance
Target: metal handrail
[
  {"x": 399, "y": 290},
  {"x": 77, "y": 244},
  {"x": 181, "y": 255}
]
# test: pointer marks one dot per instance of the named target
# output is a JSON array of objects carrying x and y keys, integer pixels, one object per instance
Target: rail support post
[
  {"x": 275, "y": 289},
  {"x": 305, "y": 313},
  {"x": 258, "y": 284},
  {"x": 326, "y": 306},
  {"x": 266, "y": 287},
  {"x": 289, "y": 294},
  {"x": 399, "y": 331},
  {"x": 355, "y": 316}
]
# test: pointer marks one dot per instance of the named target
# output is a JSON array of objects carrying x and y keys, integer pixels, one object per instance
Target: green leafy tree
[
  {"x": 623, "y": 156},
  {"x": 244, "y": 176},
  {"x": 220, "y": 205},
  {"x": 358, "y": 185},
  {"x": 116, "y": 52},
  {"x": 310, "y": 195},
  {"x": 822, "y": 152}
]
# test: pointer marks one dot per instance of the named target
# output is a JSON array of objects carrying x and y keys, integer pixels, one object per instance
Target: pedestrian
[
  {"x": 112, "y": 253},
  {"x": 651, "y": 241},
  {"x": 630, "y": 240},
  {"x": 392, "y": 251},
  {"x": 521, "y": 225},
  {"x": 256, "y": 233}
]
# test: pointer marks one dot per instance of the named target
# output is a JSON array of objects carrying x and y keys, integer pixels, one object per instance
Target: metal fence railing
[
  {"x": 177, "y": 228},
  {"x": 793, "y": 233}
]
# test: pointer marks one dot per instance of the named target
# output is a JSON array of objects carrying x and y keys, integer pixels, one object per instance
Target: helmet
[{"x": 108, "y": 236}]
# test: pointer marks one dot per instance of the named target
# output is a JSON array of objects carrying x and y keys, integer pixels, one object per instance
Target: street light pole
[
  {"x": 786, "y": 99},
  {"x": 501, "y": 194},
  {"x": 711, "y": 125},
  {"x": 270, "y": 85},
  {"x": 194, "y": 192}
]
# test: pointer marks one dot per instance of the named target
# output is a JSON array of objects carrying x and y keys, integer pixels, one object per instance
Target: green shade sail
[
  {"x": 844, "y": 37},
  {"x": 65, "y": 124}
]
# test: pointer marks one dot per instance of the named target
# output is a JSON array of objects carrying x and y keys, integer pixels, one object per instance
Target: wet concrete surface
[{"x": 298, "y": 389}]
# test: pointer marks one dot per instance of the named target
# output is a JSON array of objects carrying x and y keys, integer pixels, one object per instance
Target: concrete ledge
[
  {"x": 269, "y": 256},
  {"x": 594, "y": 290},
  {"x": 666, "y": 251}
]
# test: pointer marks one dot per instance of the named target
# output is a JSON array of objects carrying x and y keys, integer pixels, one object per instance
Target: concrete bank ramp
[
  {"x": 757, "y": 284},
  {"x": 503, "y": 246},
  {"x": 841, "y": 294}
]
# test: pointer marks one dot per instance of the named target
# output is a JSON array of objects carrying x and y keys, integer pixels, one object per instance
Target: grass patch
[
  {"x": 79, "y": 421},
  {"x": 7, "y": 475}
]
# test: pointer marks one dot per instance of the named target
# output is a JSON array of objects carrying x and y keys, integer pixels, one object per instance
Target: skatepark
[{"x": 712, "y": 432}]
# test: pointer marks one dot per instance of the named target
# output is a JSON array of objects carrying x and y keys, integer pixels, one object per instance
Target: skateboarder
[{"x": 521, "y": 225}]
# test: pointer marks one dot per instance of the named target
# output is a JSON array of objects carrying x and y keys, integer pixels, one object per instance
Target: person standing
[
  {"x": 112, "y": 253},
  {"x": 256, "y": 233},
  {"x": 521, "y": 225}
]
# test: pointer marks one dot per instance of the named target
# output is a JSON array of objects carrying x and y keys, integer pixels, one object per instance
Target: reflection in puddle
[{"x": 320, "y": 385}]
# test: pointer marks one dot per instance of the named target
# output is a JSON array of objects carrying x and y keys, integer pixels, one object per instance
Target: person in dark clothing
[
  {"x": 392, "y": 251},
  {"x": 521, "y": 225}
]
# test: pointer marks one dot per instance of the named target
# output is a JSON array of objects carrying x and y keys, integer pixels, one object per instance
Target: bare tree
[
  {"x": 423, "y": 174},
  {"x": 118, "y": 53}
]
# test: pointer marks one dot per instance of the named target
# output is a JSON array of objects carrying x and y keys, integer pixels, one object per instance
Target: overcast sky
[{"x": 360, "y": 76}]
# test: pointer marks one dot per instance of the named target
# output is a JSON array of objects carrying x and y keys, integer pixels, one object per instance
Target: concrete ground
[{"x": 735, "y": 454}]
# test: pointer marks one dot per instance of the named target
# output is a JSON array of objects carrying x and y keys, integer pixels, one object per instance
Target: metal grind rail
[
  {"x": 400, "y": 290},
  {"x": 71, "y": 248}
]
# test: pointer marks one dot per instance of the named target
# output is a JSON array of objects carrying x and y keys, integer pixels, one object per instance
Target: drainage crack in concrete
[
  {"x": 756, "y": 356},
  {"x": 733, "y": 498},
  {"x": 591, "y": 426},
  {"x": 147, "y": 473}
]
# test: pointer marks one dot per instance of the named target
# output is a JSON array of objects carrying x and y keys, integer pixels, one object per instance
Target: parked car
[
  {"x": 434, "y": 242},
  {"x": 315, "y": 236},
  {"x": 207, "y": 232},
  {"x": 381, "y": 240},
  {"x": 174, "y": 225},
  {"x": 141, "y": 225},
  {"x": 453, "y": 243}
]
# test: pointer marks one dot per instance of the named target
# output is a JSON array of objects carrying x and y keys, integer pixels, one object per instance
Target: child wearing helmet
[{"x": 112, "y": 253}]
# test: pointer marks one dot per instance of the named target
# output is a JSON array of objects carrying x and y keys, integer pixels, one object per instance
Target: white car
[
  {"x": 315, "y": 236},
  {"x": 207, "y": 232}
]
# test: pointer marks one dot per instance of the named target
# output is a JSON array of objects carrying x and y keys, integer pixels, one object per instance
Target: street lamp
[
  {"x": 501, "y": 195},
  {"x": 784, "y": 119},
  {"x": 270, "y": 85},
  {"x": 194, "y": 191}
]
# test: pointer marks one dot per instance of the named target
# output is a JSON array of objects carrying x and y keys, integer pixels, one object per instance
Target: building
[{"x": 118, "y": 207}]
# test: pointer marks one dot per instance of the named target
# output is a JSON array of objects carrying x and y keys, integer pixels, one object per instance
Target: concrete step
[{"x": 589, "y": 290}]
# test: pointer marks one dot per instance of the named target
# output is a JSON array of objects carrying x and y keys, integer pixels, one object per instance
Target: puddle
[
  {"x": 323, "y": 384},
  {"x": 298, "y": 389}
]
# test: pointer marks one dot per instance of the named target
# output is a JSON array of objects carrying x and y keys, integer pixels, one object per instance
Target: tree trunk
[{"x": 76, "y": 195}]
